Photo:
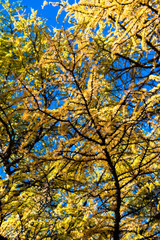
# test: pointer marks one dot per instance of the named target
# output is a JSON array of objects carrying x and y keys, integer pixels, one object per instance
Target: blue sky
[{"x": 49, "y": 12}]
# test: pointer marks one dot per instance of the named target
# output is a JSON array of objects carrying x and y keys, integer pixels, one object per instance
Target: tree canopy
[{"x": 80, "y": 122}]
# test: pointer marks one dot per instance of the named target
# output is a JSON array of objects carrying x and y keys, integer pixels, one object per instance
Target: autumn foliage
[{"x": 80, "y": 122}]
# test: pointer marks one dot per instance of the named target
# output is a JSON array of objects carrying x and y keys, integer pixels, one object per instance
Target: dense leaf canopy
[{"x": 80, "y": 122}]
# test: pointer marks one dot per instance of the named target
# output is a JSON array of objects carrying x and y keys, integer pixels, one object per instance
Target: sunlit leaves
[{"x": 79, "y": 124}]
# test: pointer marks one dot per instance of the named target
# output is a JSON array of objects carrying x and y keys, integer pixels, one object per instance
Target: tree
[{"x": 80, "y": 124}]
